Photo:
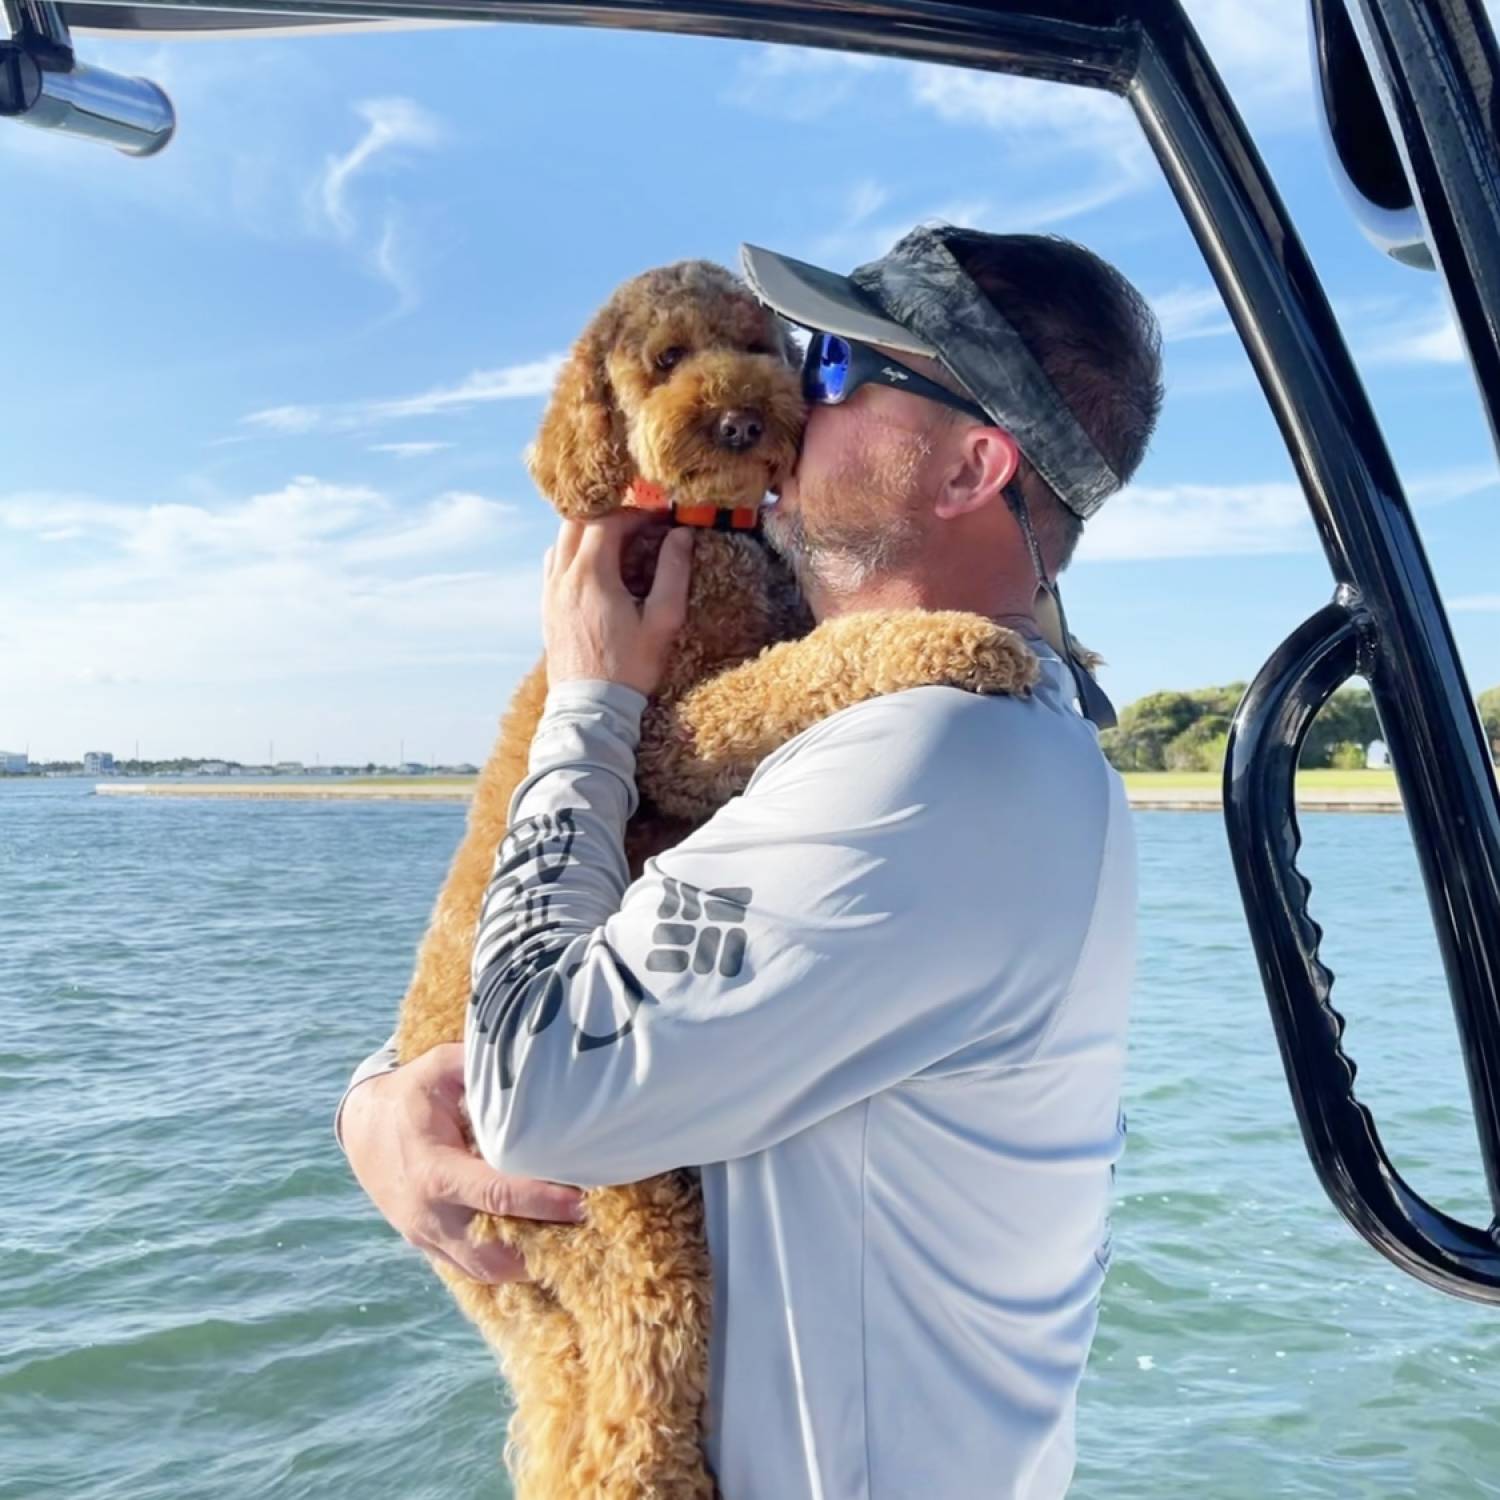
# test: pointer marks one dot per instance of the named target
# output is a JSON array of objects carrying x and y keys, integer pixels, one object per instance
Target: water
[{"x": 195, "y": 1299}]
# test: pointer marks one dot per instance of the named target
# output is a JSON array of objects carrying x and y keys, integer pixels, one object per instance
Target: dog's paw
[{"x": 888, "y": 651}]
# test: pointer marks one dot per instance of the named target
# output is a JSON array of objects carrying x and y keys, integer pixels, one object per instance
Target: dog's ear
[{"x": 579, "y": 460}]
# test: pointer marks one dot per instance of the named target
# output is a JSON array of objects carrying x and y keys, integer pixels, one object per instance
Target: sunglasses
[{"x": 836, "y": 367}]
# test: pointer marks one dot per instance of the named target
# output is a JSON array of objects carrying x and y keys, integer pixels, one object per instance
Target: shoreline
[{"x": 1142, "y": 799}]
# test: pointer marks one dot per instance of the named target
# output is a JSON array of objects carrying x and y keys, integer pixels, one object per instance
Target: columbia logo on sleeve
[{"x": 681, "y": 939}]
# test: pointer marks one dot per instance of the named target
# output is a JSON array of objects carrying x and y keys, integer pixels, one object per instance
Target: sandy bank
[{"x": 1144, "y": 798}]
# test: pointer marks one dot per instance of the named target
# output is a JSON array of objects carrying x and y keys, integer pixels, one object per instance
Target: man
[{"x": 880, "y": 998}]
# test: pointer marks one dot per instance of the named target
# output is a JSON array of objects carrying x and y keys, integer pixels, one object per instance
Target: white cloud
[
  {"x": 866, "y": 197},
  {"x": 1053, "y": 116},
  {"x": 409, "y": 450},
  {"x": 310, "y": 579},
  {"x": 392, "y": 125},
  {"x": 508, "y": 383},
  {"x": 1475, "y": 604},
  {"x": 1236, "y": 520},
  {"x": 1198, "y": 520},
  {"x": 799, "y": 83},
  {"x": 512, "y": 383},
  {"x": 284, "y": 419},
  {"x": 1262, "y": 51},
  {"x": 1191, "y": 312},
  {"x": 1452, "y": 484},
  {"x": 453, "y": 522},
  {"x": 1431, "y": 340}
]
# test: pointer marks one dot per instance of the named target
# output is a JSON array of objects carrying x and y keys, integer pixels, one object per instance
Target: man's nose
[{"x": 740, "y": 430}]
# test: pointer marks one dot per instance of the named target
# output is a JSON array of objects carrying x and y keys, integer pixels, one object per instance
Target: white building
[
  {"x": 14, "y": 762},
  {"x": 98, "y": 763}
]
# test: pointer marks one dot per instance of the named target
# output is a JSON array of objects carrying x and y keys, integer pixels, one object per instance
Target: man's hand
[
  {"x": 403, "y": 1135},
  {"x": 592, "y": 626}
]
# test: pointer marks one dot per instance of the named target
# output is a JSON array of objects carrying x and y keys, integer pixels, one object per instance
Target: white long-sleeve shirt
[{"x": 880, "y": 1000}]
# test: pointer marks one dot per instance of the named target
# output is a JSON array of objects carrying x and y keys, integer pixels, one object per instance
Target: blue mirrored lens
[{"x": 827, "y": 368}]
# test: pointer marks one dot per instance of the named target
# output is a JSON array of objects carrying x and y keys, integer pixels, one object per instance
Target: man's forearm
[
  {"x": 383, "y": 1061},
  {"x": 561, "y": 868}
]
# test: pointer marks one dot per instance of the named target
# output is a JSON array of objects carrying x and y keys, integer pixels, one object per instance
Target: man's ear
[{"x": 984, "y": 463}]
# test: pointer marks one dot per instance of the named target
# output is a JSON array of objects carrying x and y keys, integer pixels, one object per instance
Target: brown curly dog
[{"x": 682, "y": 395}]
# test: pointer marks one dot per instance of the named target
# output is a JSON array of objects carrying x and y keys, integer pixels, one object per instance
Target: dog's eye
[{"x": 669, "y": 357}]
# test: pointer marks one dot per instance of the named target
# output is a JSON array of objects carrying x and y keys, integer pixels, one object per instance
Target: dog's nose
[{"x": 740, "y": 430}]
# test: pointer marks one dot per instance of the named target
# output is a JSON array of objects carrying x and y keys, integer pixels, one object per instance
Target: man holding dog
[{"x": 903, "y": 1090}]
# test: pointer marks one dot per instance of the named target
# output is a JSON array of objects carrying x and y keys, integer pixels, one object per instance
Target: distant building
[
  {"x": 98, "y": 763},
  {"x": 289, "y": 768},
  {"x": 1377, "y": 757},
  {"x": 213, "y": 768},
  {"x": 14, "y": 763},
  {"x": 413, "y": 768}
]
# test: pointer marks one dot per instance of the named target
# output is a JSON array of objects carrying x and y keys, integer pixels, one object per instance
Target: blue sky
[{"x": 267, "y": 392}]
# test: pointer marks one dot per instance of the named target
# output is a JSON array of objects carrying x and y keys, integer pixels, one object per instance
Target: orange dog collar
[{"x": 647, "y": 496}]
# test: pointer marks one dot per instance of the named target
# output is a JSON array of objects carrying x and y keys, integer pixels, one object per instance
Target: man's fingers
[
  {"x": 493, "y": 1264},
  {"x": 474, "y": 1184},
  {"x": 497, "y": 1263},
  {"x": 666, "y": 605},
  {"x": 604, "y": 539}
]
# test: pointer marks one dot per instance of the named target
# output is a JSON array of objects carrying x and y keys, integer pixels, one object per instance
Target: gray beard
[{"x": 837, "y": 566}]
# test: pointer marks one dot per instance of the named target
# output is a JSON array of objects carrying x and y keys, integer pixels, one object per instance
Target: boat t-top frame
[{"x": 1408, "y": 89}]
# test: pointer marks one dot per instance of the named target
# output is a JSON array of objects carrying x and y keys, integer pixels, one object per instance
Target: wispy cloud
[
  {"x": 1057, "y": 117},
  {"x": 1198, "y": 520},
  {"x": 391, "y": 126},
  {"x": 799, "y": 83},
  {"x": 285, "y": 419},
  {"x": 1261, "y": 49},
  {"x": 312, "y": 578},
  {"x": 1452, "y": 484},
  {"x": 409, "y": 450},
  {"x": 1191, "y": 312},
  {"x": 508, "y": 383},
  {"x": 512, "y": 383},
  {"x": 1083, "y": 138},
  {"x": 1430, "y": 339},
  {"x": 1236, "y": 520}
]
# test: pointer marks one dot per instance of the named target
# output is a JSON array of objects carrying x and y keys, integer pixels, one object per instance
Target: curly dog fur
[{"x": 605, "y": 1348}]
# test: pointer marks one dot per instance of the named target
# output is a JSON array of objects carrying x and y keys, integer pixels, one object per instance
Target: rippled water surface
[{"x": 196, "y": 1301}]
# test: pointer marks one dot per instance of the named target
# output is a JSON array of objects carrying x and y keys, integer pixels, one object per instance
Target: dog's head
[{"x": 683, "y": 381}]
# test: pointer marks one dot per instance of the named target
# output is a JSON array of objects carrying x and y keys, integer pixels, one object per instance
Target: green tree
[
  {"x": 1145, "y": 730},
  {"x": 1489, "y": 716},
  {"x": 1200, "y": 747},
  {"x": 1220, "y": 700},
  {"x": 1348, "y": 757},
  {"x": 1348, "y": 718}
]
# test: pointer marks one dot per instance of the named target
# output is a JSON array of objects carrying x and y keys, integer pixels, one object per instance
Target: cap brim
[{"x": 821, "y": 300}]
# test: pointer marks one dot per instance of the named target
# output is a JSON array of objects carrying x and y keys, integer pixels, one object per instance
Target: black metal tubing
[
  {"x": 1434, "y": 75},
  {"x": 1345, "y": 1146}
]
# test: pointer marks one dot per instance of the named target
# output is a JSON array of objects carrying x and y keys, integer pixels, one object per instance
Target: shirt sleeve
[
  {"x": 383, "y": 1061},
  {"x": 805, "y": 948}
]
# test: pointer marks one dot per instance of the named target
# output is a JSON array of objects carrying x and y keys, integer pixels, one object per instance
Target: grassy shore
[
  {"x": 1160, "y": 791},
  {"x": 1307, "y": 781}
]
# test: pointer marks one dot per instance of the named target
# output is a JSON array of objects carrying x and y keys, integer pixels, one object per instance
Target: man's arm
[
  {"x": 376, "y": 1065},
  {"x": 404, "y": 1137},
  {"x": 810, "y": 945}
]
